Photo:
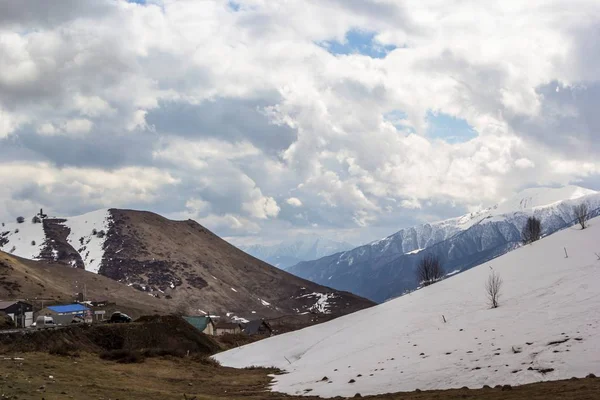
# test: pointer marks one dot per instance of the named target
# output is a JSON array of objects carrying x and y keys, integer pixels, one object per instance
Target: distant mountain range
[
  {"x": 386, "y": 268},
  {"x": 291, "y": 252}
]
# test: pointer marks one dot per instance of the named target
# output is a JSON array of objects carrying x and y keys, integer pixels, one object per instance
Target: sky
[{"x": 263, "y": 120}]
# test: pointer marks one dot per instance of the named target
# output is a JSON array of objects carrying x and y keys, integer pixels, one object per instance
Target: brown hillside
[
  {"x": 36, "y": 281},
  {"x": 197, "y": 270}
]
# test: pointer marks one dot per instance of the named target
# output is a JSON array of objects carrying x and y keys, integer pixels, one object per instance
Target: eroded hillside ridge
[
  {"x": 56, "y": 247},
  {"x": 201, "y": 273},
  {"x": 127, "y": 259}
]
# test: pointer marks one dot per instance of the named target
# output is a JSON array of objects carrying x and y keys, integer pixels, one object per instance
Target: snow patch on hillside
[
  {"x": 90, "y": 245},
  {"x": 24, "y": 240},
  {"x": 415, "y": 251},
  {"x": 322, "y": 302},
  {"x": 264, "y": 303},
  {"x": 545, "y": 329}
]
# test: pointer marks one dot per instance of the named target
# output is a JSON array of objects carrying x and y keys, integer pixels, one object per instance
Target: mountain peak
[{"x": 531, "y": 198}]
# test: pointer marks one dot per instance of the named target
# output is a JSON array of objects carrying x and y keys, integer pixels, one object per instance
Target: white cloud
[
  {"x": 294, "y": 202},
  {"x": 262, "y": 207},
  {"x": 90, "y": 68},
  {"x": 47, "y": 128},
  {"x": 62, "y": 190},
  {"x": 524, "y": 163},
  {"x": 78, "y": 126},
  {"x": 197, "y": 206},
  {"x": 92, "y": 106}
]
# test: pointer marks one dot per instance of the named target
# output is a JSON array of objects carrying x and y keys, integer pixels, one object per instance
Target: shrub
[
  {"x": 33, "y": 242},
  {"x": 63, "y": 351},
  {"x": 161, "y": 352},
  {"x": 122, "y": 356},
  {"x": 206, "y": 360},
  {"x": 532, "y": 231},
  {"x": 429, "y": 270},
  {"x": 36, "y": 220},
  {"x": 20, "y": 220}
]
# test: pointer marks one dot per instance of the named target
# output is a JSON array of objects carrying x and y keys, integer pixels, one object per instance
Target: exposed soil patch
[{"x": 57, "y": 249}]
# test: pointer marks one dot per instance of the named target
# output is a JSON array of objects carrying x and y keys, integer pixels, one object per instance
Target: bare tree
[
  {"x": 532, "y": 230},
  {"x": 429, "y": 270},
  {"x": 492, "y": 287},
  {"x": 581, "y": 214}
]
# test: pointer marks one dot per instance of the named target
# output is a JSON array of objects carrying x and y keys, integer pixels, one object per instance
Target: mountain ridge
[
  {"x": 180, "y": 261},
  {"x": 385, "y": 268}
]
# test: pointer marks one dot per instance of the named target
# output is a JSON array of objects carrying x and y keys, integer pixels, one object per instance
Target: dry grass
[
  {"x": 88, "y": 377},
  {"x": 30, "y": 280}
]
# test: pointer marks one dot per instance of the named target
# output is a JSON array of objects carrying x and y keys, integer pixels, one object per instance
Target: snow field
[{"x": 545, "y": 329}]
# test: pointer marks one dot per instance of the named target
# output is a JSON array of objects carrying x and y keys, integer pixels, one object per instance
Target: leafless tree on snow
[
  {"x": 429, "y": 270},
  {"x": 532, "y": 230},
  {"x": 581, "y": 214},
  {"x": 492, "y": 287}
]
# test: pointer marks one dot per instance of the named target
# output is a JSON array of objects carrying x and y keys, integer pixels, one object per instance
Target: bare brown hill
[
  {"x": 38, "y": 282},
  {"x": 199, "y": 272},
  {"x": 178, "y": 266}
]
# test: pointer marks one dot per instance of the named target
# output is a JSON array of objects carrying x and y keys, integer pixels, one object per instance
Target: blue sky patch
[
  {"x": 233, "y": 5},
  {"x": 448, "y": 128},
  {"x": 398, "y": 118},
  {"x": 137, "y": 1},
  {"x": 358, "y": 42}
]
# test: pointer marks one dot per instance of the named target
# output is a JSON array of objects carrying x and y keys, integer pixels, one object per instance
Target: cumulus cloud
[
  {"x": 294, "y": 202},
  {"x": 244, "y": 119}
]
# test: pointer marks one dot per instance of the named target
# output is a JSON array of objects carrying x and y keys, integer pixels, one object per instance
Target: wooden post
[
  {"x": 566, "y": 254},
  {"x": 444, "y": 318}
]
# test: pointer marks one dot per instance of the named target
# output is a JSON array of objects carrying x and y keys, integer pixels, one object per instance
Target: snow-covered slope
[
  {"x": 385, "y": 268},
  {"x": 87, "y": 243},
  {"x": 24, "y": 239},
  {"x": 291, "y": 252},
  {"x": 546, "y": 328},
  {"x": 85, "y": 233}
]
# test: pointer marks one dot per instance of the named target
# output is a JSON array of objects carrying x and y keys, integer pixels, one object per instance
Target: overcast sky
[{"x": 262, "y": 119}]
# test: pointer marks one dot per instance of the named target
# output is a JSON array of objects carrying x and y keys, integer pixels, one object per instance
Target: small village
[{"x": 21, "y": 314}]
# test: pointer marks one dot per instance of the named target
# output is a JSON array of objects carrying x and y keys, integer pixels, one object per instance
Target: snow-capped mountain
[
  {"x": 447, "y": 336},
  {"x": 291, "y": 252},
  {"x": 180, "y": 261},
  {"x": 386, "y": 268}
]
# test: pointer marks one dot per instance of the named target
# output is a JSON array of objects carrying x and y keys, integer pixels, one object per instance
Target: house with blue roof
[{"x": 65, "y": 314}]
